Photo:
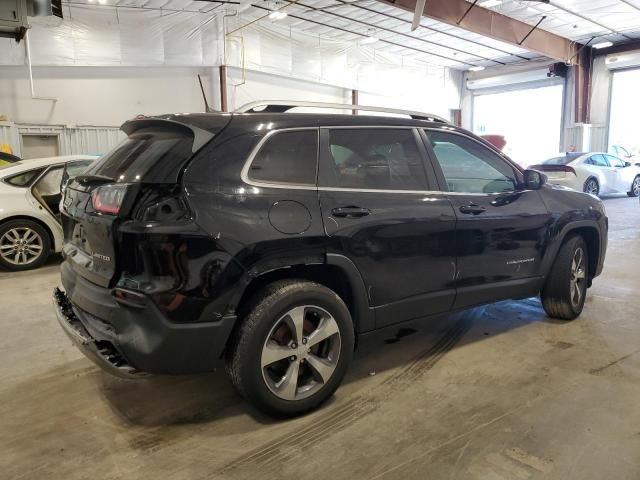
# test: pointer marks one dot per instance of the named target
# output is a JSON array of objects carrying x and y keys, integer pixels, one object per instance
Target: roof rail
[{"x": 281, "y": 106}]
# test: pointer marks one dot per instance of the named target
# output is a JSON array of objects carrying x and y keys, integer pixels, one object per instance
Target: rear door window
[
  {"x": 375, "y": 159},
  {"x": 599, "y": 160},
  {"x": 288, "y": 157}
]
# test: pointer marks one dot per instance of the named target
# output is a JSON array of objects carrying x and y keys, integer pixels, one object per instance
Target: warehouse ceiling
[
  {"x": 386, "y": 28},
  {"x": 579, "y": 20}
]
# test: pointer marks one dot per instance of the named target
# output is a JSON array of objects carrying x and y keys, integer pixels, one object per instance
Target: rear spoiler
[
  {"x": 553, "y": 168},
  {"x": 200, "y": 137}
]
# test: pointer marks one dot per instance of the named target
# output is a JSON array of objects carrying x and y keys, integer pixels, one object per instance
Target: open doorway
[
  {"x": 624, "y": 140},
  {"x": 529, "y": 119},
  {"x": 40, "y": 146}
]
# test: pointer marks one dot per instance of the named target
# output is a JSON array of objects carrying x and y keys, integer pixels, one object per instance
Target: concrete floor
[{"x": 499, "y": 392}]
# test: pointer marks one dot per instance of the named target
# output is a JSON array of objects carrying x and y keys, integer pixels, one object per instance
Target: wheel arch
[
  {"x": 590, "y": 232},
  {"x": 337, "y": 273}
]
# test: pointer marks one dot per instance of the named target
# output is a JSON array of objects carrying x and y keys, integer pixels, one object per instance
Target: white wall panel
[
  {"x": 100, "y": 95},
  {"x": 259, "y": 86}
]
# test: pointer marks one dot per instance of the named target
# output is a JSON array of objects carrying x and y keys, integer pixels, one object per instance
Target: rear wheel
[
  {"x": 24, "y": 244},
  {"x": 635, "y": 187},
  {"x": 591, "y": 186},
  {"x": 293, "y": 348},
  {"x": 565, "y": 288}
]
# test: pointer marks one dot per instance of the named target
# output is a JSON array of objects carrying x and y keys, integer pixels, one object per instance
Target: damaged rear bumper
[{"x": 101, "y": 353}]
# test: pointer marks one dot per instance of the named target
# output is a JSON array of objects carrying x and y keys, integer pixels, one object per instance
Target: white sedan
[
  {"x": 594, "y": 172},
  {"x": 30, "y": 195}
]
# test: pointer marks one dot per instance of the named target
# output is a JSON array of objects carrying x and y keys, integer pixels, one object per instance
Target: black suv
[{"x": 274, "y": 239}]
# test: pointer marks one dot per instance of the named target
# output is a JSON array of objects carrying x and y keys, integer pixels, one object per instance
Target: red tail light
[{"x": 108, "y": 198}]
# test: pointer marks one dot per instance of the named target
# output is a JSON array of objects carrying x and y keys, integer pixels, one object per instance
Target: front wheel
[
  {"x": 293, "y": 348},
  {"x": 565, "y": 288},
  {"x": 635, "y": 187}
]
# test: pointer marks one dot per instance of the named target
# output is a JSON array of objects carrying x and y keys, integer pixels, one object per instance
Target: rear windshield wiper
[{"x": 87, "y": 179}]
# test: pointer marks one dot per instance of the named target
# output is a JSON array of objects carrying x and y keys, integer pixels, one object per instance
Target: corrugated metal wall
[
  {"x": 9, "y": 135},
  {"x": 586, "y": 138},
  {"x": 92, "y": 140},
  {"x": 71, "y": 140}
]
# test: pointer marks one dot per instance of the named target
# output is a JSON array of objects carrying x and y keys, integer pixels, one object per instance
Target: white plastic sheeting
[
  {"x": 383, "y": 79},
  {"x": 71, "y": 140},
  {"x": 93, "y": 35},
  {"x": 101, "y": 36}
]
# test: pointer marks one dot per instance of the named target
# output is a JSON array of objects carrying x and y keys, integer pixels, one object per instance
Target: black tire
[
  {"x": 265, "y": 313},
  {"x": 558, "y": 294},
  {"x": 635, "y": 187},
  {"x": 30, "y": 259},
  {"x": 591, "y": 186}
]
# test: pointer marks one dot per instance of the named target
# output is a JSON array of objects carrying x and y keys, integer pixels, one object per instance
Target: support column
[
  {"x": 354, "y": 100},
  {"x": 582, "y": 86},
  {"x": 223, "y": 88}
]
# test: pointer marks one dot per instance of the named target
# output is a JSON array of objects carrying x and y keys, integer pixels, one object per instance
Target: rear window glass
[
  {"x": 565, "y": 159},
  {"x": 23, "y": 179},
  {"x": 142, "y": 151},
  {"x": 287, "y": 157}
]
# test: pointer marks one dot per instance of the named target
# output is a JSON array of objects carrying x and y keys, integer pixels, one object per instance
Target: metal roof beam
[
  {"x": 364, "y": 35},
  {"x": 492, "y": 24},
  {"x": 395, "y": 32},
  {"x": 429, "y": 28}
]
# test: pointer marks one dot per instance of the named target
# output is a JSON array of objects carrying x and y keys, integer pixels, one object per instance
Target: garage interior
[{"x": 496, "y": 392}]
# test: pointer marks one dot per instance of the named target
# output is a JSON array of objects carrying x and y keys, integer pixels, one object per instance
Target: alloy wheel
[
  {"x": 577, "y": 279},
  {"x": 635, "y": 188},
  {"x": 591, "y": 187},
  {"x": 301, "y": 352},
  {"x": 21, "y": 246}
]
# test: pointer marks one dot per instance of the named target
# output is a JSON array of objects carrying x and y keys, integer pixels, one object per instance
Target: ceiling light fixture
[
  {"x": 476, "y": 68},
  {"x": 602, "y": 44},
  {"x": 490, "y": 3},
  {"x": 278, "y": 15},
  {"x": 369, "y": 40}
]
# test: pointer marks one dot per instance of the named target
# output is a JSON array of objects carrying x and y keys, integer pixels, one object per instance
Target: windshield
[
  {"x": 144, "y": 150},
  {"x": 564, "y": 160}
]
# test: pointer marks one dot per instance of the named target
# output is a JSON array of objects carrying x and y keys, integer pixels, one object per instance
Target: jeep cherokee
[{"x": 273, "y": 239}]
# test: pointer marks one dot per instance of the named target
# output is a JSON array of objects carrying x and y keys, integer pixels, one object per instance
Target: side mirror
[
  {"x": 627, "y": 164},
  {"x": 534, "y": 180}
]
